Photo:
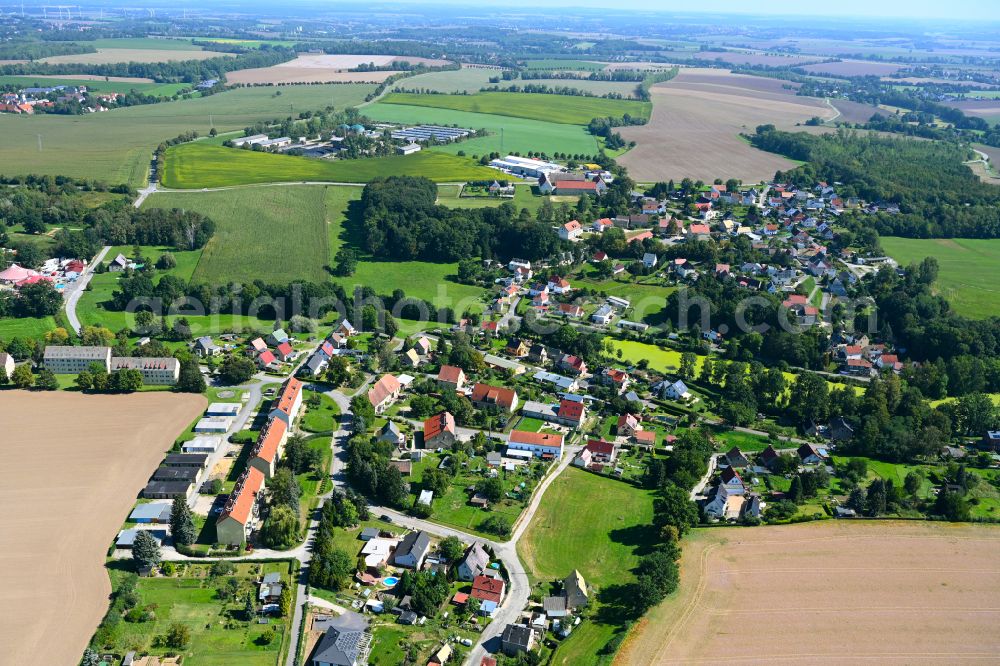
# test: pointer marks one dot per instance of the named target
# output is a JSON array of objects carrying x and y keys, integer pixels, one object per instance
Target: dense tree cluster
[{"x": 401, "y": 221}]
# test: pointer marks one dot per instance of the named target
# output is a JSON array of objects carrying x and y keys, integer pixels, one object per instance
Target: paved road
[
  {"x": 145, "y": 192},
  {"x": 700, "y": 486},
  {"x": 76, "y": 289}
]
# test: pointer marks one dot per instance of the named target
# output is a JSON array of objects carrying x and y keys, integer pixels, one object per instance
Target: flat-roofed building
[{"x": 69, "y": 360}]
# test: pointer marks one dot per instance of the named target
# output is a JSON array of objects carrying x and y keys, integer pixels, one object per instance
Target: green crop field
[
  {"x": 506, "y": 133},
  {"x": 276, "y": 234},
  {"x": 604, "y": 545},
  {"x": 197, "y": 165},
  {"x": 566, "y": 109},
  {"x": 159, "y": 89},
  {"x": 577, "y": 65},
  {"x": 117, "y": 146},
  {"x": 625, "y": 88},
  {"x": 451, "y": 81},
  {"x": 969, "y": 270}
]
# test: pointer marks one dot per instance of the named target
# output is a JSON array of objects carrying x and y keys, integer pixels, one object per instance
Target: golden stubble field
[
  {"x": 72, "y": 467},
  {"x": 315, "y": 68},
  {"x": 887, "y": 592},
  {"x": 697, "y": 119}
]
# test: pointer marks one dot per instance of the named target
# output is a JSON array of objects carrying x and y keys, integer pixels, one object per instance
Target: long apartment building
[
  {"x": 159, "y": 371},
  {"x": 241, "y": 514},
  {"x": 70, "y": 360}
]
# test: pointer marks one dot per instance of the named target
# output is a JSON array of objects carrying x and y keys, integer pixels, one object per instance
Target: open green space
[
  {"x": 603, "y": 545},
  {"x": 747, "y": 442},
  {"x": 566, "y": 109},
  {"x": 507, "y": 134},
  {"x": 276, "y": 234},
  {"x": 465, "y": 80},
  {"x": 220, "y": 635},
  {"x": 199, "y": 165},
  {"x": 26, "y": 327},
  {"x": 319, "y": 417},
  {"x": 969, "y": 270},
  {"x": 556, "y": 63},
  {"x": 144, "y": 43},
  {"x": 158, "y": 89},
  {"x": 117, "y": 146},
  {"x": 624, "y": 88},
  {"x": 449, "y": 195}
]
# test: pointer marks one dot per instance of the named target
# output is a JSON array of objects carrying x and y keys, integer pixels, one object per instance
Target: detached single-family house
[
  {"x": 485, "y": 396},
  {"x": 391, "y": 433},
  {"x": 277, "y": 336},
  {"x": 649, "y": 260},
  {"x": 384, "y": 393},
  {"x": 345, "y": 643},
  {"x": 811, "y": 455},
  {"x": 677, "y": 391},
  {"x": 439, "y": 431},
  {"x": 452, "y": 377},
  {"x": 517, "y": 638},
  {"x": 571, "y": 230},
  {"x": 205, "y": 347},
  {"x": 412, "y": 550},
  {"x": 628, "y": 425},
  {"x": 539, "y": 444},
  {"x": 487, "y": 588},
  {"x": 473, "y": 563}
]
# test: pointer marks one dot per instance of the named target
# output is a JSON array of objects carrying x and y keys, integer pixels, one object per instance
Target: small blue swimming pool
[{"x": 390, "y": 581}]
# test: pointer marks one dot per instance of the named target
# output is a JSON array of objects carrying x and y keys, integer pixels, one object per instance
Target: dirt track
[
  {"x": 696, "y": 122},
  {"x": 831, "y": 592},
  {"x": 73, "y": 465}
]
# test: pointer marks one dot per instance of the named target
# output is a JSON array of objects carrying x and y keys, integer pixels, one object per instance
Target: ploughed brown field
[
  {"x": 697, "y": 120},
  {"x": 984, "y": 108},
  {"x": 856, "y": 112},
  {"x": 326, "y": 69},
  {"x": 841, "y": 592},
  {"x": 73, "y": 466}
]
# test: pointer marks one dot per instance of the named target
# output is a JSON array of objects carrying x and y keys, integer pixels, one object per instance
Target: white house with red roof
[
  {"x": 539, "y": 444},
  {"x": 571, "y": 230}
]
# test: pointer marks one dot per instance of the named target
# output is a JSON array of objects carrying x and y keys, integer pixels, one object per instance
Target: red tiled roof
[
  {"x": 289, "y": 394},
  {"x": 269, "y": 440},
  {"x": 645, "y": 436},
  {"x": 266, "y": 357},
  {"x": 284, "y": 349},
  {"x": 240, "y": 507},
  {"x": 628, "y": 420},
  {"x": 570, "y": 409},
  {"x": 504, "y": 397},
  {"x": 575, "y": 185},
  {"x": 450, "y": 373},
  {"x": 599, "y": 446},
  {"x": 437, "y": 424},
  {"x": 536, "y": 438},
  {"x": 487, "y": 589},
  {"x": 382, "y": 389}
]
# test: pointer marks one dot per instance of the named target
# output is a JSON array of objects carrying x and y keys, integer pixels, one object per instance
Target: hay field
[
  {"x": 853, "y": 68},
  {"x": 107, "y": 56},
  {"x": 696, "y": 122},
  {"x": 73, "y": 465},
  {"x": 830, "y": 592},
  {"x": 324, "y": 69}
]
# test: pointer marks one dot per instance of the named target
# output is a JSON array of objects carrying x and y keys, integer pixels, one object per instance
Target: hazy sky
[{"x": 973, "y": 10}]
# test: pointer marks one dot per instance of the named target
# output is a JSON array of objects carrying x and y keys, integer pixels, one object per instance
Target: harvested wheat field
[
  {"x": 697, "y": 120},
  {"x": 853, "y": 68},
  {"x": 753, "y": 59},
  {"x": 73, "y": 466},
  {"x": 325, "y": 69},
  {"x": 108, "y": 56},
  {"x": 831, "y": 592}
]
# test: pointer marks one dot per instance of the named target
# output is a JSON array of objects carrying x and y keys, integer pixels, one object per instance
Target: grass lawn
[
  {"x": 465, "y": 80},
  {"x": 529, "y": 424},
  {"x": 448, "y": 195},
  {"x": 198, "y": 164},
  {"x": 507, "y": 134},
  {"x": 219, "y": 634},
  {"x": 660, "y": 359},
  {"x": 275, "y": 234},
  {"x": 647, "y": 294},
  {"x": 568, "y": 109},
  {"x": 322, "y": 417},
  {"x": 313, "y": 485},
  {"x": 969, "y": 270},
  {"x": 604, "y": 545},
  {"x": 117, "y": 146},
  {"x": 729, "y": 438},
  {"x": 26, "y": 327}
]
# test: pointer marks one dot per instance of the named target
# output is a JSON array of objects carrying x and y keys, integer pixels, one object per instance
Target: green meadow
[
  {"x": 199, "y": 165},
  {"x": 117, "y": 146},
  {"x": 568, "y": 109},
  {"x": 969, "y": 270},
  {"x": 603, "y": 545},
  {"x": 577, "y": 65},
  {"x": 464, "y": 80},
  {"x": 158, "y": 89},
  {"x": 276, "y": 234},
  {"x": 507, "y": 134}
]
